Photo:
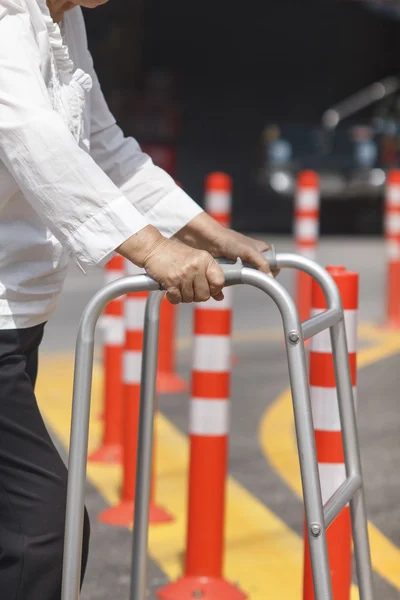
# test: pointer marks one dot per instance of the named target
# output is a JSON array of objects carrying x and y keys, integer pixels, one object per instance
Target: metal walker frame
[{"x": 318, "y": 517}]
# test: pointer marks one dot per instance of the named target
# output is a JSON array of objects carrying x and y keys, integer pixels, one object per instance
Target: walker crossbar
[
  {"x": 318, "y": 517},
  {"x": 321, "y": 322}
]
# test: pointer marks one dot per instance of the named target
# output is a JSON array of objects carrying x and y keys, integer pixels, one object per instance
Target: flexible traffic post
[
  {"x": 218, "y": 204},
  {"x": 168, "y": 380},
  {"x": 110, "y": 450},
  {"x": 327, "y": 428},
  {"x": 218, "y": 197},
  {"x": 392, "y": 239},
  {"x": 122, "y": 513},
  {"x": 306, "y": 231},
  {"x": 209, "y": 429}
]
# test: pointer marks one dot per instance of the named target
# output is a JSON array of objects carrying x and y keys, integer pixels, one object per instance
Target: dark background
[{"x": 235, "y": 67}]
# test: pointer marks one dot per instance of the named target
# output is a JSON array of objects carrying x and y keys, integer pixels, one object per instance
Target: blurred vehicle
[{"x": 352, "y": 148}]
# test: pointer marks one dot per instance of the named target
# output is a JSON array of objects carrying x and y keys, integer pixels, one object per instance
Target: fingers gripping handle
[
  {"x": 140, "y": 283},
  {"x": 270, "y": 255},
  {"x": 233, "y": 270}
]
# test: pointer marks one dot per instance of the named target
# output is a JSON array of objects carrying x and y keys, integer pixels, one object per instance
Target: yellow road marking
[
  {"x": 241, "y": 337},
  {"x": 261, "y": 550},
  {"x": 278, "y": 443},
  {"x": 249, "y": 336}
]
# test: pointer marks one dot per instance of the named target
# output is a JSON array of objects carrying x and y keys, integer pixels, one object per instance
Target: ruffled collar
[
  {"x": 67, "y": 86},
  {"x": 65, "y": 66}
]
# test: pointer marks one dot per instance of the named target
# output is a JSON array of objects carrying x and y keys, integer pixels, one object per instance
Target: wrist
[
  {"x": 202, "y": 233},
  {"x": 139, "y": 246}
]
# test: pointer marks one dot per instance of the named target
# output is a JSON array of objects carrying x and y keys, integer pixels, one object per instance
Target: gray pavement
[{"x": 258, "y": 378}]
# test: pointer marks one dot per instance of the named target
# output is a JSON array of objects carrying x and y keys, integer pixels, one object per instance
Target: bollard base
[
  {"x": 121, "y": 515},
  {"x": 170, "y": 383},
  {"x": 110, "y": 454},
  {"x": 206, "y": 588}
]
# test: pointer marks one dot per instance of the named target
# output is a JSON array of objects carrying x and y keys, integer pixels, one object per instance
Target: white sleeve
[
  {"x": 81, "y": 206},
  {"x": 150, "y": 189}
]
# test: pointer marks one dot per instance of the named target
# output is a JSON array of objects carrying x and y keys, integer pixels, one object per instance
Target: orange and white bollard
[
  {"x": 392, "y": 238},
  {"x": 218, "y": 204},
  {"x": 122, "y": 514},
  {"x": 218, "y": 197},
  {"x": 306, "y": 232},
  {"x": 110, "y": 450},
  {"x": 209, "y": 429},
  {"x": 218, "y": 200},
  {"x": 327, "y": 430},
  {"x": 168, "y": 380}
]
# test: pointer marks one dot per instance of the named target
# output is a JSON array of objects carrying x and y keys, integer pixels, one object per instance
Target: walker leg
[
  {"x": 308, "y": 463},
  {"x": 347, "y": 413},
  {"x": 352, "y": 459},
  {"x": 77, "y": 471},
  {"x": 145, "y": 447}
]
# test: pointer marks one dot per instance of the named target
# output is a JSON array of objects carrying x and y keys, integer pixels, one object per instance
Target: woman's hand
[
  {"x": 233, "y": 245},
  {"x": 57, "y": 8},
  {"x": 205, "y": 233},
  {"x": 187, "y": 275}
]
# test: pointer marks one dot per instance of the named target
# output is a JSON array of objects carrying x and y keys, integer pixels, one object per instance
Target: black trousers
[{"x": 33, "y": 480}]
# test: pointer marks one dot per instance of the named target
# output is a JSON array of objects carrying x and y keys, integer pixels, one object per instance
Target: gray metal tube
[
  {"x": 352, "y": 458},
  {"x": 321, "y": 322},
  {"x": 81, "y": 413},
  {"x": 145, "y": 445},
  {"x": 298, "y": 369},
  {"x": 234, "y": 274},
  {"x": 347, "y": 417},
  {"x": 77, "y": 469},
  {"x": 80, "y": 426},
  {"x": 298, "y": 374},
  {"x": 340, "y": 498},
  {"x": 295, "y": 261}
]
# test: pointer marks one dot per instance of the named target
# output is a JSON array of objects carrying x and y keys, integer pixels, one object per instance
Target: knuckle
[
  {"x": 191, "y": 268},
  {"x": 203, "y": 258},
  {"x": 197, "y": 261}
]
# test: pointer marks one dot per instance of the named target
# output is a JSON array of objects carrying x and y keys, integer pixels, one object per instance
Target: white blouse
[{"x": 70, "y": 182}]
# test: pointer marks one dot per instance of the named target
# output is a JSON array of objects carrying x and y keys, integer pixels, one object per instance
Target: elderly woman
[{"x": 71, "y": 185}]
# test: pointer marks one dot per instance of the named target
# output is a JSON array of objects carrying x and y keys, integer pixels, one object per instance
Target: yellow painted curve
[
  {"x": 277, "y": 440},
  {"x": 261, "y": 550},
  {"x": 262, "y": 553}
]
